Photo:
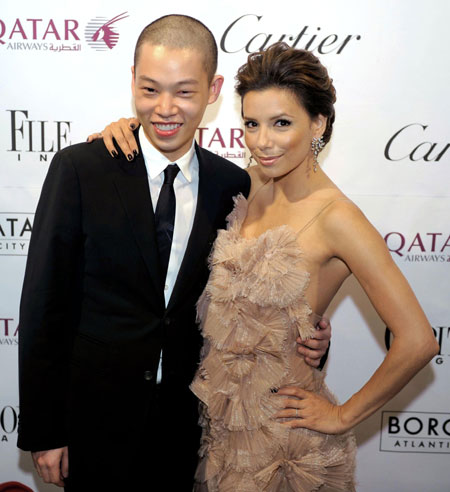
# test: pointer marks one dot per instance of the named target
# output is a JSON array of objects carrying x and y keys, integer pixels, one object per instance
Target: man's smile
[{"x": 166, "y": 129}]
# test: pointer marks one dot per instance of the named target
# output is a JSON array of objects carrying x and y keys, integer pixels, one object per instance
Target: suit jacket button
[
  {"x": 167, "y": 321},
  {"x": 148, "y": 376}
]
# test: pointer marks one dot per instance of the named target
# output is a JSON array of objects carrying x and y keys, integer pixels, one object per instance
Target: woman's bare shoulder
[
  {"x": 343, "y": 212},
  {"x": 347, "y": 229}
]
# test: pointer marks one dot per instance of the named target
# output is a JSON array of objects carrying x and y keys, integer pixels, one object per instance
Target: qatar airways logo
[
  {"x": 59, "y": 35},
  {"x": 101, "y": 33},
  {"x": 432, "y": 247},
  {"x": 9, "y": 330},
  {"x": 226, "y": 142}
]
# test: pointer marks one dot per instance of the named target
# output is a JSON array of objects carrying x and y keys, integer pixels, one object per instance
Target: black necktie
[{"x": 165, "y": 217}]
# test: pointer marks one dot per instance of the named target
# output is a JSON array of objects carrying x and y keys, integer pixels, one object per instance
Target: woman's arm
[
  {"x": 122, "y": 132},
  {"x": 351, "y": 237}
]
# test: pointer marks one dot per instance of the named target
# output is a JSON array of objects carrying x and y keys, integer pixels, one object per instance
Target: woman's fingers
[
  {"x": 293, "y": 391},
  {"x": 122, "y": 132}
]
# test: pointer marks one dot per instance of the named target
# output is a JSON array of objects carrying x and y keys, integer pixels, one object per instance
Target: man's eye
[{"x": 149, "y": 89}]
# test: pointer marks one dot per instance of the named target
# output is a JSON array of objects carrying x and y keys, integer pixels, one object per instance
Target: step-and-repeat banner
[{"x": 63, "y": 78}]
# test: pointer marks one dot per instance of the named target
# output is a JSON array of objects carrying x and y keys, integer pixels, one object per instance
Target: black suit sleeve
[
  {"x": 323, "y": 360},
  {"x": 49, "y": 309},
  {"x": 246, "y": 185}
]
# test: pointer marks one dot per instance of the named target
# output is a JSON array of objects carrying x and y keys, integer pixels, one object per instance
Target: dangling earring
[
  {"x": 250, "y": 160},
  {"x": 317, "y": 145}
]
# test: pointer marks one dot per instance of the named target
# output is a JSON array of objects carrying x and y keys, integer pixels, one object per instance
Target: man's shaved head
[{"x": 181, "y": 32}]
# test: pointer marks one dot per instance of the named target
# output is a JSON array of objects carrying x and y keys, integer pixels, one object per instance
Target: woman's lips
[{"x": 268, "y": 160}]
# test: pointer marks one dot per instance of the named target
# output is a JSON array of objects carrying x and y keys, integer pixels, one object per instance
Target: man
[{"x": 114, "y": 271}]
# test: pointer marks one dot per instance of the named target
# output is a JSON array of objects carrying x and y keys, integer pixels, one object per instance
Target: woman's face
[{"x": 278, "y": 130}]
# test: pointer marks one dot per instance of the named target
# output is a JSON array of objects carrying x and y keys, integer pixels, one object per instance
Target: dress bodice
[{"x": 251, "y": 312}]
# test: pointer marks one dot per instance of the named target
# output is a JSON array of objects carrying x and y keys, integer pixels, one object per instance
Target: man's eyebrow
[
  {"x": 188, "y": 81},
  {"x": 180, "y": 82}
]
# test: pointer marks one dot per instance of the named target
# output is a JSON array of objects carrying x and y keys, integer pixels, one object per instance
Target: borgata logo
[
  {"x": 415, "y": 432},
  {"x": 100, "y": 34}
]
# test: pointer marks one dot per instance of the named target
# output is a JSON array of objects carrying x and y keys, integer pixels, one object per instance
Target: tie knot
[{"x": 170, "y": 173}]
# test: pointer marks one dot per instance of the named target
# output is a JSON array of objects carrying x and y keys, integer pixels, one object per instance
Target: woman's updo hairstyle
[{"x": 298, "y": 71}]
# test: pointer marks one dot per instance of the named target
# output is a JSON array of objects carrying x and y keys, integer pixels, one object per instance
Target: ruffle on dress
[{"x": 251, "y": 312}]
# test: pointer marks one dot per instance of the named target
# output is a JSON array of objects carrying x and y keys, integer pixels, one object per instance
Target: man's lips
[
  {"x": 166, "y": 129},
  {"x": 268, "y": 160}
]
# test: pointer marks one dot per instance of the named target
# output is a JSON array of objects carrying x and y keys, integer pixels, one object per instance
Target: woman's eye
[
  {"x": 282, "y": 123},
  {"x": 149, "y": 90},
  {"x": 250, "y": 124}
]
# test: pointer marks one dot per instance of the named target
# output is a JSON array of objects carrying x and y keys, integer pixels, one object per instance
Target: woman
[{"x": 283, "y": 257}]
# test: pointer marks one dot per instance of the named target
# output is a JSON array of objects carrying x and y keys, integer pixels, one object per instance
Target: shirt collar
[{"x": 155, "y": 162}]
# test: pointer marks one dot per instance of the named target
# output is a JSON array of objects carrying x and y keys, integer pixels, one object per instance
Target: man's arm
[{"x": 49, "y": 309}]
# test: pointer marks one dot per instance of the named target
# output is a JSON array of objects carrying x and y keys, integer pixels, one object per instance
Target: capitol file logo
[
  {"x": 36, "y": 138},
  {"x": 442, "y": 334},
  {"x": 100, "y": 34},
  {"x": 415, "y": 432},
  {"x": 15, "y": 233}
]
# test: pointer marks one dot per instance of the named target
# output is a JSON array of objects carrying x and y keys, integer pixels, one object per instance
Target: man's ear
[
  {"x": 133, "y": 81},
  {"x": 214, "y": 88}
]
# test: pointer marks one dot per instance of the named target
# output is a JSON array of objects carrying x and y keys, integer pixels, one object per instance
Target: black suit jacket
[{"x": 93, "y": 319}]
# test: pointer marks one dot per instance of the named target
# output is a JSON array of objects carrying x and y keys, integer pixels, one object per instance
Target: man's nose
[{"x": 166, "y": 105}]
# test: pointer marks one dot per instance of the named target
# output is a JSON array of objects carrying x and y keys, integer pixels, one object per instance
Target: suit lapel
[
  {"x": 133, "y": 188},
  {"x": 208, "y": 203}
]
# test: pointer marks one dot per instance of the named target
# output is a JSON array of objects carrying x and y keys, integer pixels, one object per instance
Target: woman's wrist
[{"x": 347, "y": 416}]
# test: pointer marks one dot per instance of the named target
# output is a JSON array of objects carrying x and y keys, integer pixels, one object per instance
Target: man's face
[{"x": 171, "y": 91}]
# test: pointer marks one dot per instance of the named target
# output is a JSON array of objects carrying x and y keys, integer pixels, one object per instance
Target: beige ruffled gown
[{"x": 251, "y": 312}]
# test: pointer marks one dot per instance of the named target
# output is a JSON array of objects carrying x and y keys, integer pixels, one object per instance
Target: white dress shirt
[{"x": 186, "y": 191}]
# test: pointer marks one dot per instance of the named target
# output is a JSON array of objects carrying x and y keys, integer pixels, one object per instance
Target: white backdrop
[{"x": 390, "y": 153}]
